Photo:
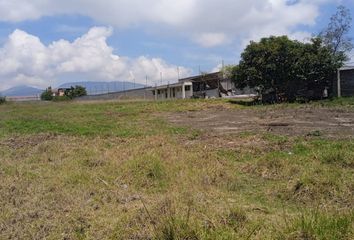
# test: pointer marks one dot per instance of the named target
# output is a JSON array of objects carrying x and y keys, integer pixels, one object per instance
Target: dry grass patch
[{"x": 119, "y": 171}]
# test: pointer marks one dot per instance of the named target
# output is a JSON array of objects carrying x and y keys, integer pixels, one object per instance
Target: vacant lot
[
  {"x": 176, "y": 170},
  {"x": 299, "y": 121}
]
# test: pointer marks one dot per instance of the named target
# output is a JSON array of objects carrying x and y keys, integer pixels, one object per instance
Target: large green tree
[
  {"x": 289, "y": 68},
  {"x": 285, "y": 67},
  {"x": 268, "y": 65}
]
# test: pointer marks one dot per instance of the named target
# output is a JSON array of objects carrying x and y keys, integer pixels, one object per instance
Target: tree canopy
[
  {"x": 285, "y": 67},
  {"x": 70, "y": 93},
  {"x": 76, "y": 91},
  {"x": 47, "y": 95},
  {"x": 290, "y": 68},
  {"x": 335, "y": 36}
]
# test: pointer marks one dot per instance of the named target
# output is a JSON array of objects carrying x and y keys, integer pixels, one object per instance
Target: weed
[
  {"x": 321, "y": 225},
  {"x": 315, "y": 133},
  {"x": 147, "y": 171}
]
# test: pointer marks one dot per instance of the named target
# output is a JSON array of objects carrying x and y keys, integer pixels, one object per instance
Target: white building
[{"x": 180, "y": 90}]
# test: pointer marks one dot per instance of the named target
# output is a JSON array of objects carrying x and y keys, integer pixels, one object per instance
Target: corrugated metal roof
[
  {"x": 202, "y": 77},
  {"x": 179, "y": 84}
]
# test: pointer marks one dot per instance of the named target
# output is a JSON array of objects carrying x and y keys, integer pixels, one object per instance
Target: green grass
[
  {"x": 319, "y": 225},
  {"x": 92, "y": 119},
  {"x": 119, "y": 170}
]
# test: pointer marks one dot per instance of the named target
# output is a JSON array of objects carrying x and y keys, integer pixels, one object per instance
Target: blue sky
[{"x": 126, "y": 40}]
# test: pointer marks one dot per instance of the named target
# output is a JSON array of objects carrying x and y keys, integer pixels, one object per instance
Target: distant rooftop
[{"x": 206, "y": 76}]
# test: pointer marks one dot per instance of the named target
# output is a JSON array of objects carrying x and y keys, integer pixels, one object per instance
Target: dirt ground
[{"x": 297, "y": 121}]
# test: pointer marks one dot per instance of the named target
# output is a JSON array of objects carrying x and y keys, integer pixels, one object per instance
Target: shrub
[
  {"x": 61, "y": 98},
  {"x": 77, "y": 91},
  {"x": 2, "y": 100},
  {"x": 47, "y": 95},
  {"x": 70, "y": 93}
]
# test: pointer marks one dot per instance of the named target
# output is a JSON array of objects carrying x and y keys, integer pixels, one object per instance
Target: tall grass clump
[{"x": 320, "y": 225}]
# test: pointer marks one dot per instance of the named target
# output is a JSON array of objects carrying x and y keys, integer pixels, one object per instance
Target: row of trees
[
  {"x": 287, "y": 69},
  {"x": 70, "y": 93}
]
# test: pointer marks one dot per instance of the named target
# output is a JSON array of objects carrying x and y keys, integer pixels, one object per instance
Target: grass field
[{"x": 121, "y": 170}]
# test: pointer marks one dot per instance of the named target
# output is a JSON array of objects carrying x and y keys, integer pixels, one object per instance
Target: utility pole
[
  {"x": 161, "y": 77},
  {"x": 125, "y": 93},
  {"x": 155, "y": 91},
  {"x": 146, "y": 83},
  {"x": 178, "y": 73},
  {"x": 339, "y": 90},
  {"x": 223, "y": 74}
]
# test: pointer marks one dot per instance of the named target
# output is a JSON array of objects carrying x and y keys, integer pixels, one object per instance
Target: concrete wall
[
  {"x": 167, "y": 93},
  {"x": 227, "y": 84},
  {"x": 174, "y": 92},
  {"x": 142, "y": 93},
  {"x": 347, "y": 83},
  {"x": 23, "y": 99},
  {"x": 170, "y": 93},
  {"x": 189, "y": 93}
]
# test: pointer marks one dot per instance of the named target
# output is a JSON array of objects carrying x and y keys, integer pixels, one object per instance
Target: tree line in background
[
  {"x": 69, "y": 93},
  {"x": 280, "y": 69}
]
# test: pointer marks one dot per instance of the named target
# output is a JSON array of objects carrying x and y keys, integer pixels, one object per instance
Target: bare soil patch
[
  {"x": 17, "y": 142},
  {"x": 303, "y": 121}
]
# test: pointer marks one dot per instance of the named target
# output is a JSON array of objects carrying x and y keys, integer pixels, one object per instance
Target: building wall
[
  {"x": 347, "y": 83},
  {"x": 227, "y": 84},
  {"x": 189, "y": 93},
  {"x": 142, "y": 93},
  {"x": 173, "y": 93}
]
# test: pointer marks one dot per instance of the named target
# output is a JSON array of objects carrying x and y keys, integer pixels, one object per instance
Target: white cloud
[
  {"x": 211, "y": 39},
  {"x": 217, "y": 68},
  {"x": 213, "y": 21},
  {"x": 24, "y": 59}
]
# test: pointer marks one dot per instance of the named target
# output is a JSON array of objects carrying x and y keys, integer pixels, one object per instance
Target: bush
[
  {"x": 47, "y": 95},
  {"x": 77, "y": 91},
  {"x": 2, "y": 100},
  {"x": 61, "y": 98},
  {"x": 70, "y": 93}
]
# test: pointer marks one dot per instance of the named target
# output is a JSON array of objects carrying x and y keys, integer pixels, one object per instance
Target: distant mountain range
[
  {"x": 21, "y": 91},
  {"x": 92, "y": 88}
]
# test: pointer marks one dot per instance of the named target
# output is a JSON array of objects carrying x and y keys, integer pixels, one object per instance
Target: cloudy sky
[{"x": 49, "y": 42}]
